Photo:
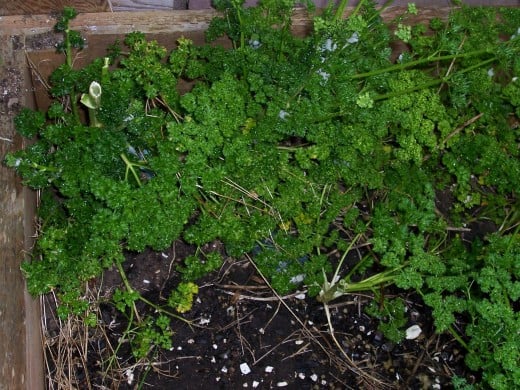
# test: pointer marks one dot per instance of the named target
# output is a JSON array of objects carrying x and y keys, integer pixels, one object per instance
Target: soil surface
[{"x": 244, "y": 336}]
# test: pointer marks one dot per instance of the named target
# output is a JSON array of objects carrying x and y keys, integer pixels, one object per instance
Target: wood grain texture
[
  {"x": 103, "y": 23},
  {"x": 153, "y": 22},
  {"x": 36, "y": 7},
  {"x": 21, "y": 365},
  {"x": 141, "y": 5}
]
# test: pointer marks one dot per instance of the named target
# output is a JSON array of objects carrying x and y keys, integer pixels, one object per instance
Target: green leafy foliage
[
  {"x": 181, "y": 299},
  {"x": 152, "y": 333},
  {"x": 286, "y": 148}
]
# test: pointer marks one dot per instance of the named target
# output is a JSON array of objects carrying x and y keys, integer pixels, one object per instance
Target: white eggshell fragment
[
  {"x": 413, "y": 332},
  {"x": 244, "y": 369}
]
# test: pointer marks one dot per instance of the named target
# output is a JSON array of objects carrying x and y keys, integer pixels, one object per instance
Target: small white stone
[
  {"x": 282, "y": 384},
  {"x": 215, "y": 346},
  {"x": 413, "y": 332},
  {"x": 129, "y": 376},
  {"x": 298, "y": 342},
  {"x": 297, "y": 279},
  {"x": 330, "y": 45},
  {"x": 164, "y": 255},
  {"x": 191, "y": 341},
  {"x": 354, "y": 38},
  {"x": 314, "y": 377},
  {"x": 269, "y": 369},
  {"x": 283, "y": 114},
  {"x": 255, "y": 384},
  {"x": 301, "y": 375},
  {"x": 300, "y": 296},
  {"x": 244, "y": 368},
  {"x": 324, "y": 75},
  {"x": 146, "y": 281},
  {"x": 224, "y": 369}
]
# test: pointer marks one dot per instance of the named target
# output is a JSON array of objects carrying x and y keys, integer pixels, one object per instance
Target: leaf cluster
[{"x": 287, "y": 147}]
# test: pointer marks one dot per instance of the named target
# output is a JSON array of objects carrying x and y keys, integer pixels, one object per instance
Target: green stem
[
  {"x": 44, "y": 168},
  {"x": 341, "y": 10},
  {"x": 355, "y": 268},
  {"x": 358, "y": 7},
  {"x": 349, "y": 248},
  {"x": 129, "y": 288},
  {"x": 113, "y": 356},
  {"x": 122, "y": 273},
  {"x": 432, "y": 83},
  {"x": 408, "y": 90},
  {"x": 157, "y": 308},
  {"x": 94, "y": 122},
  {"x": 130, "y": 167},
  {"x": 381, "y": 10},
  {"x": 238, "y": 10},
  {"x": 459, "y": 339},
  {"x": 368, "y": 284},
  {"x": 418, "y": 62},
  {"x": 73, "y": 94}
]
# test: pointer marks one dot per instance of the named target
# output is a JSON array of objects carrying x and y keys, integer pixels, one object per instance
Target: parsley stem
[
  {"x": 421, "y": 61},
  {"x": 358, "y": 7},
  {"x": 341, "y": 9},
  {"x": 130, "y": 167},
  {"x": 408, "y": 90},
  {"x": 68, "y": 54},
  {"x": 128, "y": 288},
  {"x": 44, "y": 168},
  {"x": 459, "y": 339},
  {"x": 433, "y": 82},
  {"x": 381, "y": 9},
  {"x": 157, "y": 308}
]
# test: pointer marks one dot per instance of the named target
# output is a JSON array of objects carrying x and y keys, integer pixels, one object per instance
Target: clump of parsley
[{"x": 290, "y": 148}]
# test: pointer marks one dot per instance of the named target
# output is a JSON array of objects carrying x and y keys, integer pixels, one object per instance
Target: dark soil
[{"x": 244, "y": 336}]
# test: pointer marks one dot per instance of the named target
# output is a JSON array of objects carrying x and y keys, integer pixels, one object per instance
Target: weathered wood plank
[
  {"x": 146, "y": 5},
  {"x": 21, "y": 364},
  {"x": 113, "y": 22},
  {"x": 36, "y": 7},
  {"x": 38, "y": 28}
]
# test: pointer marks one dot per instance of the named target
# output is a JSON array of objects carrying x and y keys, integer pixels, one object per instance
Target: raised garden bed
[{"x": 400, "y": 247}]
